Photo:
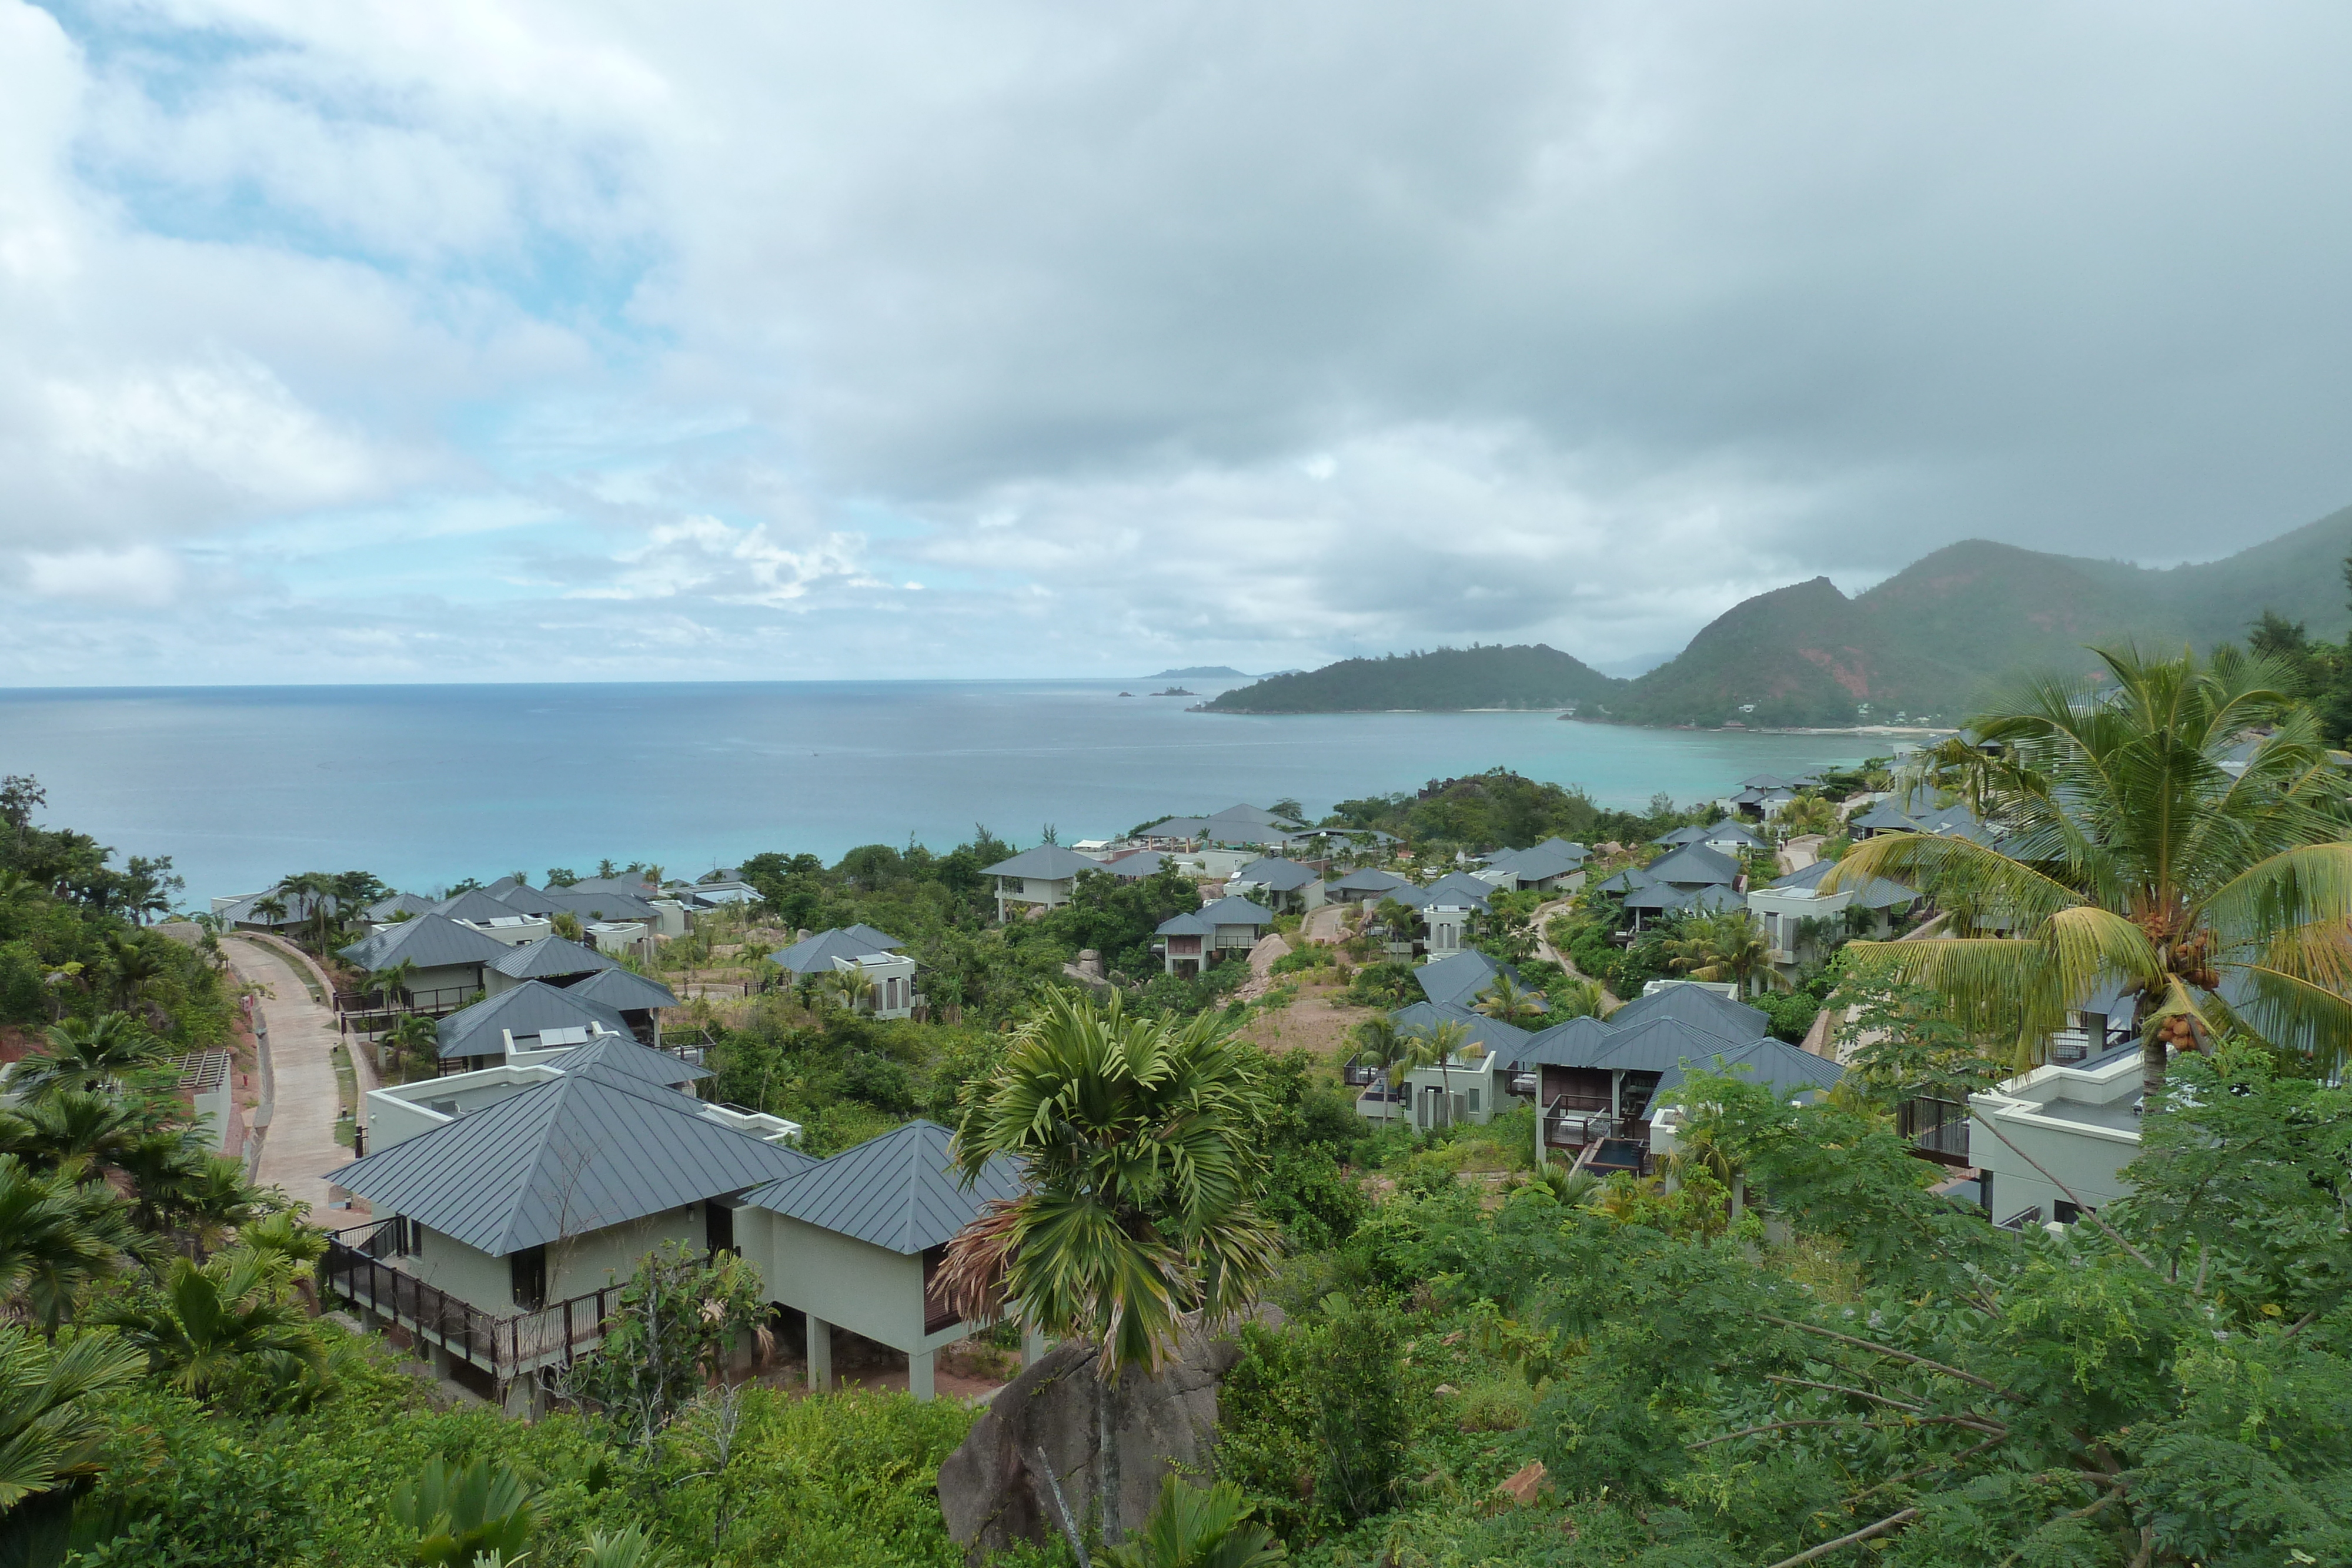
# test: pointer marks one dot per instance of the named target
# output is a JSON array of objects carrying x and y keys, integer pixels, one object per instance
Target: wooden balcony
[{"x": 356, "y": 1269}]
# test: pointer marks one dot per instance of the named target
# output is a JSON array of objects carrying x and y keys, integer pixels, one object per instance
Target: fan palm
[
  {"x": 132, "y": 967},
  {"x": 221, "y": 1327},
  {"x": 2180, "y": 833},
  {"x": 462, "y": 1513},
  {"x": 1198, "y": 1527},
  {"x": 1141, "y": 1143},
  {"x": 71, "y": 1129},
  {"x": 89, "y": 1055},
  {"x": 58, "y": 1237},
  {"x": 53, "y": 1409}
]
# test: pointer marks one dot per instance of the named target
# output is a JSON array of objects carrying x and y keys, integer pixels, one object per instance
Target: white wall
[
  {"x": 2044, "y": 1114},
  {"x": 866, "y": 1288}
]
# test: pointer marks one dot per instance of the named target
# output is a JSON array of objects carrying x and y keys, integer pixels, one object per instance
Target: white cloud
[
  {"x": 1213, "y": 329},
  {"x": 142, "y": 577}
]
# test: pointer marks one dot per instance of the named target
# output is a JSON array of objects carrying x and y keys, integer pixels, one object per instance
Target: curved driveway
[{"x": 299, "y": 1146}]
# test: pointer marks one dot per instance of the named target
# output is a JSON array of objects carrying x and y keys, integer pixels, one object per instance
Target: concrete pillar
[
  {"x": 444, "y": 1364},
  {"x": 1032, "y": 1347},
  {"x": 820, "y": 1353},
  {"x": 522, "y": 1398},
  {"x": 918, "y": 1373}
]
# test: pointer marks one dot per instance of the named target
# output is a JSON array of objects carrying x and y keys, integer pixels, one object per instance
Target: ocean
[{"x": 426, "y": 785}]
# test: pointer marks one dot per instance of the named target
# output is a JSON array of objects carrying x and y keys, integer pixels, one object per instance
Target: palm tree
[
  {"x": 133, "y": 966},
  {"x": 53, "y": 1412},
  {"x": 393, "y": 980},
  {"x": 1438, "y": 1044},
  {"x": 1141, "y": 1140},
  {"x": 1575, "y": 997},
  {"x": 70, "y": 1130},
  {"x": 217, "y": 1328},
  {"x": 1507, "y": 1001},
  {"x": 271, "y": 907},
  {"x": 415, "y": 1042},
  {"x": 1808, "y": 814},
  {"x": 462, "y": 1514},
  {"x": 1380, "y": 1044},
  {"x": 58, "y": 1237},
  {"x": 2124, "y": 848},
  {"x": 849, "y": 989},
  {"x": 320, "y": 889},
  {"x": 565, "y": 925},
  {"x": 92, "y": 1055},
  {"x": 1729, "y": 948}
]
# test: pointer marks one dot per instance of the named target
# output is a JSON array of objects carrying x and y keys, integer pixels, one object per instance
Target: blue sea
[{"x": 426, "y": 785}]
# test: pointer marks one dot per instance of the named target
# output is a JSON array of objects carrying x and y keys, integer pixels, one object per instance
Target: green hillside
[
  {"x": 1924, "y": 644},
  {"x": 1443, "y": 679}
]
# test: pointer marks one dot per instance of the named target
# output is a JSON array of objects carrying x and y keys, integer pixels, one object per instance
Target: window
[{"x": 1473, "y": 1102}]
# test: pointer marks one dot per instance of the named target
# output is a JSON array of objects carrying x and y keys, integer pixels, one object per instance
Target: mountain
[
  {"x": 1927, "y": 643},
  {"x": 1202, "y": 673},
  {"x": 1935, "y": 637},
  {"x": 1446, "y": 678}
]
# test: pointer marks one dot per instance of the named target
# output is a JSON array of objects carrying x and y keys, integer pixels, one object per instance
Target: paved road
[{"x": 301, "y": 1146}]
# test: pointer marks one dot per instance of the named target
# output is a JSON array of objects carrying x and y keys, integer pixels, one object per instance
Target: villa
[
  {"x": 1190, "y": 942},
  {"x": 1445, "y": 907},
  {"x": 875, "y": 956},
  {"x": 1283, "y": 885},
  {"x": 1367, "y": 884},
  {"x": 1548, "y": 867},
  {"x": 1038, "y": 879},
  {"x": 1471, "y": 1087},
  {"x": 1693, "y": 879},
  {"x": 1797, "y": 915},
  {"x": 2079, "y": 1121},
  {"x": 511, "y": 1205},
  {"x": 1724, "y": 838},
  {"x": 449, "y": 958}
]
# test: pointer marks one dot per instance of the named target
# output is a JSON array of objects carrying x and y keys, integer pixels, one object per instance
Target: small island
[
  {"x": 1202, "y": 673},
  {"x": 1175, "y": 691}
]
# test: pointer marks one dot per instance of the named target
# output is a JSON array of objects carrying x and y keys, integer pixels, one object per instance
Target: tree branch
[
  {"x": 1892, "y": 1521},
  {"x": 1897, "y": 1355}
]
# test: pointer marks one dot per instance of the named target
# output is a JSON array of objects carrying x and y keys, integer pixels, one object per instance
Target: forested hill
[
  {"x": 1926, "y": 644},
  {"x": 1444, "y": 678}
]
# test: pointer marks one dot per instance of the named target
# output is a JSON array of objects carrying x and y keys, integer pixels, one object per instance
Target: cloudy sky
[{"x": 449, "y": 339}]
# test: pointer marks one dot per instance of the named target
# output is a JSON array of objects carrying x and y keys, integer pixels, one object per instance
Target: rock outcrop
[{"x": 1163, "y": 1422}]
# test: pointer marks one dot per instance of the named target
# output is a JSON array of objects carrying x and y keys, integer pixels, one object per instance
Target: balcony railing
[{"x": 506, "y": 1347}]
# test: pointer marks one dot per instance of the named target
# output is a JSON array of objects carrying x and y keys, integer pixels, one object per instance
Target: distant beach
[{"x": 423, "y": 784}]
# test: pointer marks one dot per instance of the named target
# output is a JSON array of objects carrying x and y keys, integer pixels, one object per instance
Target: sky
[{"x": 508, "y": 339}]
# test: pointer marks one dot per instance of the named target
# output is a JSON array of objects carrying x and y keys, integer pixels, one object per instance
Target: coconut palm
[
  {"x": 131, "y": 967},
  {"x": 1507, "y": 1001},
  {"x": 89, "y": 1055},
  {"x": 54, "y": 1404},
  {"x": 1437, "y": 1044},
  {"x": 565, "y": 925},
  {"x": 849, "y": 989},
  {"x": 1808, "y": 814},
  {"x": 58, "y": 1237},
  {"x": 392, "y": 981},
  {"x": 1575, "y": 997},
  {"x": 417, "y": 1044},
  {"x": 221, "y": 1328},
  {"x": 1729, "y": 948},
  {"x": 1141, "y": 1140},
  {"x": 2180, "y": 831},
  {"x": 1380, "y": 1044},
  {"x": 271, "y": 907}
]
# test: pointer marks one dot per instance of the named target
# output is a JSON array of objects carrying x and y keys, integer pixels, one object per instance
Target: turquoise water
[{"x": 423, "y": 784}]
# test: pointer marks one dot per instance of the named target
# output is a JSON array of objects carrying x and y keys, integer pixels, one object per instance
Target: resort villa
[
  {"x": 885, "y": 985},
  {"x": 1190, "y": 942}
]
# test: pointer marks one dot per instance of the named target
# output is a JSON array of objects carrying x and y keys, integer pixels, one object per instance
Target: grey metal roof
[
  {"x": 1767, "y": 1061},
  {"x": 1567, "y": 847},
  {"x": 399, "y": 903},
  {"x": 526, "y": 1010},
  {"x": 1874, "y": 893},
  {"x": 1048, "y": 862},
  {"x": 1538, "y": 865},
  {"x": 1699, "y": 1006},
  {"x": 816, "y": 955},
  {"x": 429, "y": 942},
  {"x": 552, "y": 957},
  {"x": 1454, "y": 887},
  {"x": 598, "y": 903},
  {"x": 1883, "y": 817},
  {"x": 1274, "y": 871},
  {"x": 475, "y": 905},
  {"x": 591, "y": 1149},
  {"x": 1188, "y": 924},
  {"x": 1138, "y": 866},
  {"x": 1236, "y": 910},
  {"x": 1371, "y": 879},
  {"x": 1460, "y": 979},
  {"x": 1632, "y": 879},
  {"x": 1693, "y": 865},
  {"x": 624, "y": 989},
  {"x": 1575, "y": 1042},
  {"x": 621, "y": 1054},
  {"x": 899, "y": 1191},
  {"x": 1716, "y": 899},
  {"x": 525, "y": 899},
  {"x": 1506, "y": 1040}
]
